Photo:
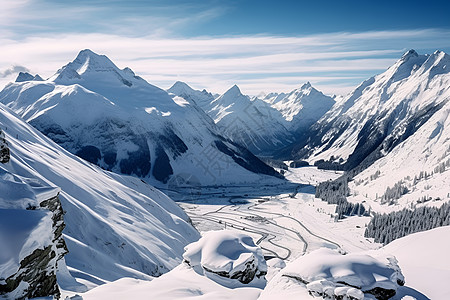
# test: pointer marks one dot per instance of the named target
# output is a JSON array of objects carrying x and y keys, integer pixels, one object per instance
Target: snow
[
  {"x": 324, "y": 270},
  {"x": 202, "y": 99},
  {"x": 180, "y": 283},
  {"x": 22, "y": 231},
  {"x": 423, "y": 258},
  {"x": 301, "y": 107},
  {"x": 411, "y": 84},
  {"x": 250, "y": 122},
  {"x": 427, "y": 148},
  {"x": 220, "y": 251},
  {"x": 132, "y": 124},
  {"x": 225, "y": 251},
  {"x": 116, "y": 225},
  {"x": 121, "y": 232}
]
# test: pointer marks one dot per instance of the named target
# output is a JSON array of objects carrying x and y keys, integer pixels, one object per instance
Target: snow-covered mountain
[
  {"x": 300, "y": 108},
  {"x": 115, "y": 225},
  {"x": 250, "y": 122},
  {"x": 266, "y": 123},
  {"x": 115, "y": 119},
  {"x": 201, "y": 98},
  {"x": 416, "y": 172},
  {"x": 380, "y": 113}
]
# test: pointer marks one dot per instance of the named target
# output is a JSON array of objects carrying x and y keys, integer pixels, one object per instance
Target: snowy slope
[
  {"x": 119, "y": 121},
  {"x": 116, "y": 225},
  {"x": 265, "y": 123},
  {"x": 423, "y": 258},
  {"x": 250, "y": 122},
  {"x": 426, "y": 151},
  {"x": 301, "y": 107},
  {"x": 201, "y": 98},
  {"x": 228, "y": 253},
  {"x": 382, "y": 112}
]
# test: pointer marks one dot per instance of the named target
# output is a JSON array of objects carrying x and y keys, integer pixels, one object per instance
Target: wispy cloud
[
  {"x": 23, "y": 18},
  {"x": 12, "y": 71},
  {"x": 335, "y": 62}
]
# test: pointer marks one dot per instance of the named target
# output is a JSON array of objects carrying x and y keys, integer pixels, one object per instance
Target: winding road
[{"x": 276, "y": 239}]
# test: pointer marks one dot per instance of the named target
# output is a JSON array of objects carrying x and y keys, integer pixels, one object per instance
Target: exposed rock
[
  {"x": 4, "y": 149},
  {"x": 36, "y": 276}
]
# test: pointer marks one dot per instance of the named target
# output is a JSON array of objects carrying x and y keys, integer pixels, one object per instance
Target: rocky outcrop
[
  {"x": 227, "y": 257},
  {"x": 327, "y": 274},
  {"x": 36, "y": 276},
  {"x": 4, "y": 149}
]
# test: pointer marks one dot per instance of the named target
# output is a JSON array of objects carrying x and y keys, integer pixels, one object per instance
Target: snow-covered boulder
[
  {"x": 4, "y": 149},
  {"x": 328, "y": 274},
  {"x": 227, "y": 254}
]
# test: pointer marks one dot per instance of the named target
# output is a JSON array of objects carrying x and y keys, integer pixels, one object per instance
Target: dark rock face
[
  {"x": 90, "y": 153},
  {"x": 245, "y": 158},
  {"x": 4, "y": 149},
  {"x": 162, "y": 168},
  {"x": 38, "y": 270}
]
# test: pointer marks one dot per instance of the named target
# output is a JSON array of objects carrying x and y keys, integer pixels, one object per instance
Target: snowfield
[{"x": 116, "y": 226}]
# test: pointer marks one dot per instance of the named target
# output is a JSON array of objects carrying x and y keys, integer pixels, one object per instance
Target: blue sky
[{"x": 259, "y": 45}]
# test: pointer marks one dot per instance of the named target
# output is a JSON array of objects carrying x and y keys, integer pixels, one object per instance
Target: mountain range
[
  {"x": 117, "y": 120},
  {"x": 84, "y": 154}
]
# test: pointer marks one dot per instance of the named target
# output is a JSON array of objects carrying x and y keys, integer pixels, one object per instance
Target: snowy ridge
[
  {"x": 131, "y": 126},
  {"x": 250, "y": 122},
  {"x": 301, "y": 107},
  {"x": 201, "y": 98},
  {"x": 382, "y": 112},
  {"x": 426, "y": 179},
  {"x": 116, "y": 225}
]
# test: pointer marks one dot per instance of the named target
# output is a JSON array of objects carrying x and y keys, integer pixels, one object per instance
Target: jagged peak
[
  {"x": 88, "y": 64},
  {"x": 89, "y": 60},
  {"x": 25, "y": 76},
  {"x": 306, "y": 85},
  {"x": 408, "y": 54},
  {"x": 234, "y": 90}
]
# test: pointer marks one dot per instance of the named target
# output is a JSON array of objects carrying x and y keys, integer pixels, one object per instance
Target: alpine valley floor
[{"x": 287, "y": 222}]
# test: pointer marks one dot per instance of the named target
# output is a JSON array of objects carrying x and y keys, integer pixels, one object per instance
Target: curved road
[{"x": 271, "y": 233}]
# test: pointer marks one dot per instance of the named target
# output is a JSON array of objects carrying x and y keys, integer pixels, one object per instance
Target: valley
[
  {"x": 284, "y": 218},
  {"x": 188, "y": 193}
]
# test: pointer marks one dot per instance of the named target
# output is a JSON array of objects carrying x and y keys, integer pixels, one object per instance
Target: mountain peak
[
  {"x": 233, "y": 91},
  {"x": 93, "y": 67},
  {"x": 306, "y": 85},
  {"x": 87, "y": 60},
  {"x": 182, "y": 89},
  {"x": 410, "y": 53},
  {"x": 25, "y": 76}
]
